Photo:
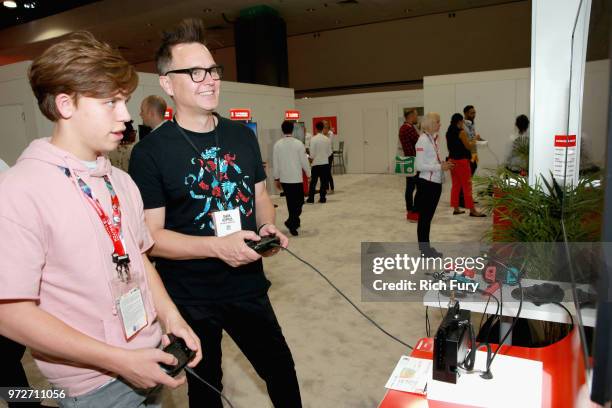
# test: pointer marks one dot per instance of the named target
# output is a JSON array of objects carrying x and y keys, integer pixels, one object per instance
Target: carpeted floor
[{"x": 341, "y": 359}]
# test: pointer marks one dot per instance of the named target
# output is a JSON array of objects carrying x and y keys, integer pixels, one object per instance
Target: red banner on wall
[{"x": 240, "y": 114}]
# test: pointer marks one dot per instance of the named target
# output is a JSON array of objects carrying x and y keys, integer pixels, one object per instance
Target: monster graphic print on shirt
[{"x": 219, "y": 184}]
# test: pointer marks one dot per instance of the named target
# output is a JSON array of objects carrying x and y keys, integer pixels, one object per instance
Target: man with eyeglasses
[{"x": 203, "y": 186}]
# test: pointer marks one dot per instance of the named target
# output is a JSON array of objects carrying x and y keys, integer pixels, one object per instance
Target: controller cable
[
  {"x": 346, "y": 298},
  {"x": 190, "y": 371}
]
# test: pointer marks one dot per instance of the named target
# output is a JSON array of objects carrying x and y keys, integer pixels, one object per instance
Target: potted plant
[{"x": 545, "y": 213}]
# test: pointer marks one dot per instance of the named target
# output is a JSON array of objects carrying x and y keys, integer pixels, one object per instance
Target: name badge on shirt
[
  {"x": 226, "y": 222},
  {"x": 132, "y": 310}
]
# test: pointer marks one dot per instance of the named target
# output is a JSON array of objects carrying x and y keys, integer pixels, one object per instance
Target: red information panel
[
  {"x": 565, "y": 140},
  {"x": 333, "y": 123},
  {"x": 240, "y": 114},
  {"x": 168, "y": 114},
  {"x": 292, "y": 115}
]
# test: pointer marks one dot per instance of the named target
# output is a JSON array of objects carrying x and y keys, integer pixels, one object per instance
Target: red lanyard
[
  {"x": 435, "y": 145},
  {"x": 112, "y": 226}
]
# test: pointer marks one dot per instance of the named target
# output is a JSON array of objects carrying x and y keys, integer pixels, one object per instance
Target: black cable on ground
[
  {"x": 190, "y": 371},
  {"x": 348, "y": 300}
]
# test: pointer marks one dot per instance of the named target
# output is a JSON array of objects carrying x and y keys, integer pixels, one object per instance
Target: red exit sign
[
  {"x": 240, "y": 114},
  {"x": 292, "y": 115}
]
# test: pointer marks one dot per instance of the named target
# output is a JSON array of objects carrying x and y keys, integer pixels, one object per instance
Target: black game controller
[
  {"x": 264, "y": 244},
  {"x": 178, "y": 349}
]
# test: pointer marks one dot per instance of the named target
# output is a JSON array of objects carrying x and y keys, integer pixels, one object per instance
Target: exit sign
[
  {"x": 240, "y": 114},
  {"x": 292, "y": 115}
]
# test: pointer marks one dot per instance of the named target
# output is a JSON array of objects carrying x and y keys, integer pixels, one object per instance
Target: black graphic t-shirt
[{"x": 191, "y": 185}]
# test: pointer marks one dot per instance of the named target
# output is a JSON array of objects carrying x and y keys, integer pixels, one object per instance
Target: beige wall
[
  {"x": 487, "y": 38},
  {"x": 351, "y": 111}
]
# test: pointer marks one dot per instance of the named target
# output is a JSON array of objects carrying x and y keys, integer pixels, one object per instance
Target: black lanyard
[{"x": 199, "y": 152}]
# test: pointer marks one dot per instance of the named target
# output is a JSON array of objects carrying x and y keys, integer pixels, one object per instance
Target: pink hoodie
[{"x": 54, "y": 250}]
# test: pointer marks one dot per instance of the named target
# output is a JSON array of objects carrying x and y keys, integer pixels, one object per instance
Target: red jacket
[{"x": 408, "y": 137}]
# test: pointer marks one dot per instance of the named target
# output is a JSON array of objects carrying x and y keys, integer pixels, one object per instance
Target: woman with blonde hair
[{"x": 431, "y": 177}]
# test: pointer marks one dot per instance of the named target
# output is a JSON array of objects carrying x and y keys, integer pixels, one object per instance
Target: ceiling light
[{"x": 9, "y": 4}]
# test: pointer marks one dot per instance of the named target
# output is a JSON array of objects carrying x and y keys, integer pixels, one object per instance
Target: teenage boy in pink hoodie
[{"x": 75, "y": 282}]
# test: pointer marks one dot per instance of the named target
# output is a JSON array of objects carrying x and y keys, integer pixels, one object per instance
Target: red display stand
[{"x": 563, "y": 374}]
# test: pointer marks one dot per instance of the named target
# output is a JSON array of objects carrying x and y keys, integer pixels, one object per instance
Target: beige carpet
[{"x": 341, "y": 359}]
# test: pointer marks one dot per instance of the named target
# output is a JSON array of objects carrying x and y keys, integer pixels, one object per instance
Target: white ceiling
[{"x": 135, "y": 25}]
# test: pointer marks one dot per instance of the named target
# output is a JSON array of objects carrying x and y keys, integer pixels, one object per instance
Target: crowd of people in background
[{"x": 424, "y": 187}]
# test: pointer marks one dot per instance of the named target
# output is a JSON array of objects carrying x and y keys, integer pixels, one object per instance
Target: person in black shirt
[
  {"x": 460, "y": 154},
  {"x": 198, "y": 175}
]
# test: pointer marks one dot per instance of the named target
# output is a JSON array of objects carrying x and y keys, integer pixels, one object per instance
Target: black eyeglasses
[{"x": 198, "y": 74}]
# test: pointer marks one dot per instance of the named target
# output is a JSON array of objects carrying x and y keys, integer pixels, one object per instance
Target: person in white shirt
[
  {"x": 307, "y": 138},
  {"x": 431, "y": 177},
  {"x": 289, "y": 160},
  {"x": 332, "y": 137},
  {"x": 320, "y": 149},
  {"x": 517, "y": 151},
  {"x": 3, "y": 166}
]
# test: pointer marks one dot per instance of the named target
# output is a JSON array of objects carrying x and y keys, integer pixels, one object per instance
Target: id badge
[
  {"x": 226, "y": 222},
  {"x": 130, "y": 307}
]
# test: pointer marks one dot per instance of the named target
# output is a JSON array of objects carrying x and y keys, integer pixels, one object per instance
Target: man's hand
[
  {"x": 141, "y": 368},
  {"x": 270, "y": 229},
  {"x": 447, "y": 165},
  {"x": 278, "y": 186},
  {"x": 176, "y": 325},
  {"x": 232, "y": 249}
]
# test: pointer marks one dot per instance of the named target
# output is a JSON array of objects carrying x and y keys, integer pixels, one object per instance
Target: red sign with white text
[
  {"x": 240, "y": 114},
  {"x": 292, "y": 115},
  {"x": 565, "y": 140},
  {"x": 168, "y": 114}
]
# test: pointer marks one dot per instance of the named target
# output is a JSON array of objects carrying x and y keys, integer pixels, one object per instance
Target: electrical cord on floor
[
  {"x": 190, "y": 371},
  {"x": 427, "y": 326},
  {"x": 346, "y": 298}
]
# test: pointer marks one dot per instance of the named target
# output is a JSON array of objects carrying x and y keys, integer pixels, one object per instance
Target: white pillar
[{"x": 557, "y": 80}]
